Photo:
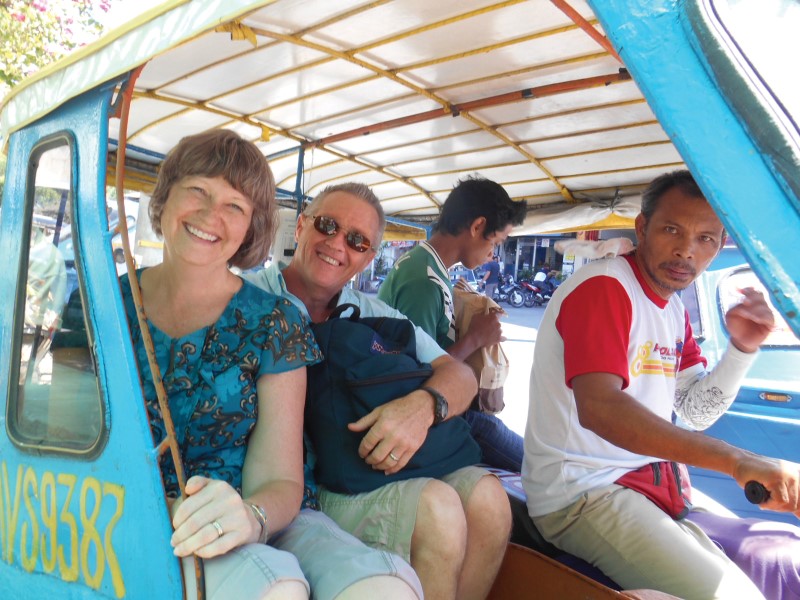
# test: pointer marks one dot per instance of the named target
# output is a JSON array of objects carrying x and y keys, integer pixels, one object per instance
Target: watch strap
[{"x": 439, "y": 404}]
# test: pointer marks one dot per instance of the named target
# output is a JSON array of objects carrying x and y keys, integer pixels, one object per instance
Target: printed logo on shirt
[{"x": 655, "y": 359}]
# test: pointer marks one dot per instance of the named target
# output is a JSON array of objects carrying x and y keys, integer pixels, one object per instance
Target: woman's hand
[{"x": 211, "y": 520}]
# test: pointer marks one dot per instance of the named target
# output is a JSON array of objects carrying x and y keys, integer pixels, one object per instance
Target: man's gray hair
[{"x": 359, "y": 190}]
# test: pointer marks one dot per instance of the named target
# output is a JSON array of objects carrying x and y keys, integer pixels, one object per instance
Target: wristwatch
[{"x": 440, "y": 405}]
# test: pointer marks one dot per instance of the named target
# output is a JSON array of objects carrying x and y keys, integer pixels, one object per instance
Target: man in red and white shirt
[{"x": 614, "y": 358}]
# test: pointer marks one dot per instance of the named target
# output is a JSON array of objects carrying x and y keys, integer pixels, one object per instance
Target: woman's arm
[{"x": 272, "y": 477}]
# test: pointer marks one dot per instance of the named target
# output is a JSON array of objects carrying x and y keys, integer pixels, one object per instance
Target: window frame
[
  {"x": 723, "y": 289},
  {"x": 21, "y": 439},
  {"x": 770, "y": 125}
]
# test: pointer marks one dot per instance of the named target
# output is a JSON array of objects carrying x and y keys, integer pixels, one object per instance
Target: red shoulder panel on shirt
[{"x": 594, "y": 321}]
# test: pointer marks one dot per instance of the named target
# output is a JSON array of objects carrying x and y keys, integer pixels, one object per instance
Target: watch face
[{"x": 441, "y": 408}]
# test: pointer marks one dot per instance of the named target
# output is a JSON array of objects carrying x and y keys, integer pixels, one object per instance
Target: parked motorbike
[
  {"x": 540, "y": 290},
  {"x": 551, "y": 285},
  {"x": 509, "y": 291},
  {"x": 533, "y": 293}
]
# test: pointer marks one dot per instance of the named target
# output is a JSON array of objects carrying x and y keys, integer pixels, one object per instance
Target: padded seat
[{"x": 524, "y": 532}]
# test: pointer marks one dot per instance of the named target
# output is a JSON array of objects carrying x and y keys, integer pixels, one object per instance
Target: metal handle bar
[{"x": 755, "y": 492}]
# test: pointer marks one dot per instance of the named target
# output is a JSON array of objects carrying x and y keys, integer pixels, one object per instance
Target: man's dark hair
[
  {"x": 476, "y": 197},
  {"x": 681, "y": 179}
]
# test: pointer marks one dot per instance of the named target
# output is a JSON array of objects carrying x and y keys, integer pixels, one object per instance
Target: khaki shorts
[
  {"x": 638, "y": 545},
  {"x": 385, "y": 518}
]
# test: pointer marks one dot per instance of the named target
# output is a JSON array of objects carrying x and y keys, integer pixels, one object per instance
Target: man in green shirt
[{"x": 477, "y": 216}]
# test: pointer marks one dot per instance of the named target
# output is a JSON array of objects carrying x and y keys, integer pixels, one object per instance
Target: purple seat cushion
[{"x": 768, "y": 551}]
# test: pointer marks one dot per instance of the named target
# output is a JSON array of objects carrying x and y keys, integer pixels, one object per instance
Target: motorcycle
[
  {"x": 509, "y": 291},
  {"x": 533, "y": 293}
]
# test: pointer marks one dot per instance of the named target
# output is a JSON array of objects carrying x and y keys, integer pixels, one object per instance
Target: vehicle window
[
  {"x": 692, "y": 304},
  {"x": 729, "y": 294},
  {"x": 56, "y": 403},
  {"x": 750, "y": 46},
  {"x": 766, "y": 33}
]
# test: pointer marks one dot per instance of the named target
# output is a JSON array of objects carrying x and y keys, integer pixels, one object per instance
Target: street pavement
[{"x": 520, "y": 326}]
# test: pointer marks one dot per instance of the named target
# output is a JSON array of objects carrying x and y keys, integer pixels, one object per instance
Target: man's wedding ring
[
  {"x": 218, "y": 527},
  {"x": 393, "y": 457}
]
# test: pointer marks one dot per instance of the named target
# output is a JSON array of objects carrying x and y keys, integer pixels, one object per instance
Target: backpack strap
[{"x": 337, "y": 312}]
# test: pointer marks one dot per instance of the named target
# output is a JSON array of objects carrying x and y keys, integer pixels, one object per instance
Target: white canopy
[{"x": 408, "y": 96}]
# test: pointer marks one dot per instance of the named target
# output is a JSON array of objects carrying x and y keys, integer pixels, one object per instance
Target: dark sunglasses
[{"x": 329, "y": 227}]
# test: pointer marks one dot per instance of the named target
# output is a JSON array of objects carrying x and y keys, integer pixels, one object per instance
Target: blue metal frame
[{"x": 116, "y": 511}]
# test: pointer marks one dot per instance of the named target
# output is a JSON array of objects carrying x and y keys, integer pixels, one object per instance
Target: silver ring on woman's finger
[
  {"x": 393, "y": 457},
  {"x": 218, "y": 527}
]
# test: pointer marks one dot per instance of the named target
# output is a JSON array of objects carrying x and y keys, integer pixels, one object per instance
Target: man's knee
[
  {"x": 383, "y": 586},
  {"x": 488, "y": 507},
  {"x": 287, "y": 590},
  {"x": 440, "y": 518}
]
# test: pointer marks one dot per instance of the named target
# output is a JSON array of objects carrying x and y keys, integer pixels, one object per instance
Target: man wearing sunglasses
[
  {"x": 476, "y": 217},
  {"x": 460, "y": 528}
]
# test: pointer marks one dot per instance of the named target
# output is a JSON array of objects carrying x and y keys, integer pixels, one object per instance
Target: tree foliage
[{"x": 38, "y": 32}]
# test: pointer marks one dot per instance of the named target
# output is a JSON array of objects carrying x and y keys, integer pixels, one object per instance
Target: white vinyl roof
[{"x": 407, "y": 96}]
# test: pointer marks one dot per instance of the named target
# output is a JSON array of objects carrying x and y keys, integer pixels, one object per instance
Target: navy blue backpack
[{"x": 369, "y": 362}]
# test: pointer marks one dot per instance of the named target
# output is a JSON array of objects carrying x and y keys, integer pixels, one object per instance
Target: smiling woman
[
  {"x": 214, "y": 189},
  {"x": 204, "y": 216},
  {"x": 572, "y": 106}
]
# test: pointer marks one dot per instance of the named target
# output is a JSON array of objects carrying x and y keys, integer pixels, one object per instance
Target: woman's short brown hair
[{"x": 223, "y": 153}]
